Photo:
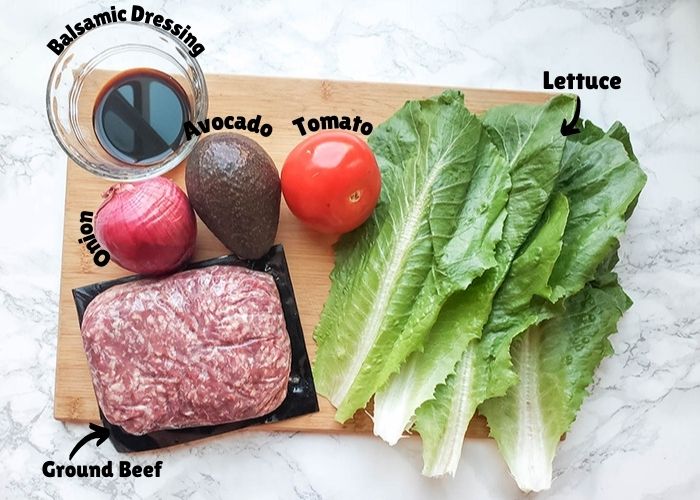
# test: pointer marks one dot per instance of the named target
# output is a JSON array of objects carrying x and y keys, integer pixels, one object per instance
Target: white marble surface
[{"x": 637, "y": 436}]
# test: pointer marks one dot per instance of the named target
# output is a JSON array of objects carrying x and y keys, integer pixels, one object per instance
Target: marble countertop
[{"x": 637, "y": 436}]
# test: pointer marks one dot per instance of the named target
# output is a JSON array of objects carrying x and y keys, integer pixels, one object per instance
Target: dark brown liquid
[{"x": 138, "y": 115}]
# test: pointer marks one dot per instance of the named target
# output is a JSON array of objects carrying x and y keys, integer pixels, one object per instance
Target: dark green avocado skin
[{"x": 235, "y": 189}]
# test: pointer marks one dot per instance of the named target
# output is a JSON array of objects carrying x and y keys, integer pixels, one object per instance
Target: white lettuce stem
[
  {"x": 462, "y": 408},
  {"x": 393, "y": 406},
  {"x": 531, "y": 465}
]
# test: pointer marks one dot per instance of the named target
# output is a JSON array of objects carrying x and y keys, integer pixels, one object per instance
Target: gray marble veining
[{"x": 636, "y": 436}]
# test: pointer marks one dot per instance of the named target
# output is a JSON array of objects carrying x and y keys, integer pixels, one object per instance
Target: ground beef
[{"x": 200, "y": 347}]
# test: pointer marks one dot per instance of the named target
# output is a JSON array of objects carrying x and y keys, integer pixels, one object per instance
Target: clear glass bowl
[{"x": 87, "y": 64}]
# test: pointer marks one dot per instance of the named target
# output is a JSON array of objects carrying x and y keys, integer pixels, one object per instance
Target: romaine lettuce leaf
[
  {"x": 554, "y": 362},
  {"x": 533, "y": 151},
  {"x": 400, "y": 267},
  {"x": 602, "y": 179},
  {"x": 443, "y": 421}
]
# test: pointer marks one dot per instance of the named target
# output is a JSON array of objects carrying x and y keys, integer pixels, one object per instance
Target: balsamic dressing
[{"x": 138, "y": 115}]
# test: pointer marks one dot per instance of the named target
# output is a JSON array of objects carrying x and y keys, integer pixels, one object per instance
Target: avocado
[{"x": 234, "y": 187}]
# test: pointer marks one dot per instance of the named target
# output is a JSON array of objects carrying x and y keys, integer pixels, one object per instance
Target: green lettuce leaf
[
  {"x": 602, "y": 180},
  {"x": 554, "y": 362},
  {"x": 485, "y": 365},
  {"x": 533, "y": 151},
  {"x": 396, "y": 271}
]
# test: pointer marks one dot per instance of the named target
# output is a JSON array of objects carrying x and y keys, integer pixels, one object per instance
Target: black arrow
[
  {"x": 570, "y": 128},
  {"x": 101, "y": 434}
]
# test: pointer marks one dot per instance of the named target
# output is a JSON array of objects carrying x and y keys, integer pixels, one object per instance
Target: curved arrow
[
  {"x": 101, "y": 434},
  {"x": 570, "y": 128}
]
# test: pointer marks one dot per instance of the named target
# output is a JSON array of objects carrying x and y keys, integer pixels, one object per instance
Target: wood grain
[{"x": 279, "y": 101}]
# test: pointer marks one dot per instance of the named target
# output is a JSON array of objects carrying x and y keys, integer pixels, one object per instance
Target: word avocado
[
  {"x": 580, "y": 82},
  {"x": 333, "y": 122},
  {"x": 229, "y": 122},
  {"x": 125, "y": 469},
  {"x": 138, "y": 14},
  {"x": 100, "y": 256}
]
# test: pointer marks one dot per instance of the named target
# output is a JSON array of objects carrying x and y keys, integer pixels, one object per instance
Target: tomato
[{"x": 331, "y": 181}]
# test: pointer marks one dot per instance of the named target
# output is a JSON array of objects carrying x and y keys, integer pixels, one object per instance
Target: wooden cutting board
[{"x": 310, "y": 258}]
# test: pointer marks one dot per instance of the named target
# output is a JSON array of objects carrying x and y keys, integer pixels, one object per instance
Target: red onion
[{"x": 147, "y": 227}]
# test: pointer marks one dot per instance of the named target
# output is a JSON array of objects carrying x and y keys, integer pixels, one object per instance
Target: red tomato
[{"x": 331, "y": 181}]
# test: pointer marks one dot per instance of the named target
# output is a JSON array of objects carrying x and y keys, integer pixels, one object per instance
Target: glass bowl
[{"x": 88, "y": 63}]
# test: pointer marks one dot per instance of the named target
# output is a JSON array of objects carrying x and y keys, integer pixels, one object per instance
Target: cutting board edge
[{"x": 419, "y": 85}]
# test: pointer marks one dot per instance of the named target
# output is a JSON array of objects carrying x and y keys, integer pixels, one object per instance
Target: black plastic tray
[{"x": 301, "y": 394}]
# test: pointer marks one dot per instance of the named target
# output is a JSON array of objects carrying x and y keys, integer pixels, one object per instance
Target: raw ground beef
[{"x": 200, "y": 347}]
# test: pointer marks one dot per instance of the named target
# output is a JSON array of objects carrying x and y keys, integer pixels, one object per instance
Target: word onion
[{"x": 148, "y": 227}]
